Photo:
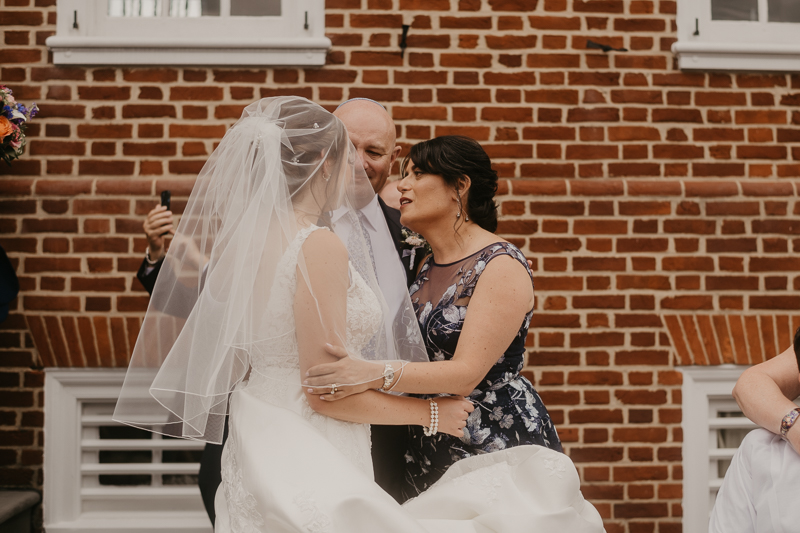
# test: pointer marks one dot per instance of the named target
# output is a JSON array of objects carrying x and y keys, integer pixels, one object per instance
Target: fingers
[
  {"x": 320, "y": 370},
  {"x": 336, "y": 351},
  {"x": 326, "y": 396}
]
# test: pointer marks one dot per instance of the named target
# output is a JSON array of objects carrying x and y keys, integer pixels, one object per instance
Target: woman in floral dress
[{"x": 473, "y": 298}]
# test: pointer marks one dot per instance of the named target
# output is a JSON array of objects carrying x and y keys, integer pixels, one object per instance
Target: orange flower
[{"x": 6, "y": 128}]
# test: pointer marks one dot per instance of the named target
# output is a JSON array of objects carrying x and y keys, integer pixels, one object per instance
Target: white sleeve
[{"x": 734, "y": 510}]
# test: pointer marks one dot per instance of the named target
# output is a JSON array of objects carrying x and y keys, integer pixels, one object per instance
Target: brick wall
[{"x": 660, "y": 208}]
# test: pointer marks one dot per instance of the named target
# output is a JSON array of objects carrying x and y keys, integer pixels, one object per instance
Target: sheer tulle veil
[{"x": 285, "y": 165}]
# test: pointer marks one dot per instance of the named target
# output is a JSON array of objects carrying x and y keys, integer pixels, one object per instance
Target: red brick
[
  {"x": 148, "y": 111},
  {"x": 104, "y": 93},
  {"x": 475, "y": 23},
  {"x": 760, "y": 117},
  {"x": 554, "y": 23},
  {"x": 511, "y": 42},
  {"x": 598, "y": 6},
  {"x": 512, "y": 5},
  {"x": 602, "y": 114},
  {"x": 594, "y": 78}
]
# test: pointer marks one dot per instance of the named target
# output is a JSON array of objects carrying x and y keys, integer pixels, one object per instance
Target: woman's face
[{"x": 425, "y": 199}]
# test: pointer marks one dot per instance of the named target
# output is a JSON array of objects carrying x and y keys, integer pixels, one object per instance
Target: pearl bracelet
[{"x": 434, "y": 427}]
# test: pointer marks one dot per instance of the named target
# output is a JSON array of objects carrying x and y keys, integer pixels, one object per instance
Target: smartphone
[
  {"x": 166, "y": 196},
  {"x": 165, "y": 199}
]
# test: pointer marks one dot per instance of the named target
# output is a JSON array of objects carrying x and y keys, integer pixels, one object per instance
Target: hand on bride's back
[{"x": 453, "y": 413}]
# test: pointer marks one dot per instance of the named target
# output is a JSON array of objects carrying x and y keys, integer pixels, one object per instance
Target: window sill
[
  {"x": 737, "y": 57},
  {"x": 105, "y": 51}
]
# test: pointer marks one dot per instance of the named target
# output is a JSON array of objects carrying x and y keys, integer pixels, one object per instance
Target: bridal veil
[{"x": 285, "y": 164}]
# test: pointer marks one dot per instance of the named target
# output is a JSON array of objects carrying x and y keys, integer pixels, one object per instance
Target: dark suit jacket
[
  {"x": 148, "y": 281},
  {"x": 389, "y": 443}
]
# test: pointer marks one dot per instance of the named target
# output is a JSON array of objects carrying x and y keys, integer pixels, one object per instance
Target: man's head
[{"x": 371, "y": 130}]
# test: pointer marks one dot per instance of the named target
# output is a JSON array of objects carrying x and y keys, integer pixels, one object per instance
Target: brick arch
[{"x": 729, "y": 339}]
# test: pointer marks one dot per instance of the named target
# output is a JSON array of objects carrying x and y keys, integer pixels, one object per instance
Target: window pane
[
  {"x": 784, "y": 11},
  {"x": 134, "y": 8},
  {"x": 193, "y": 8},
  {"x": 256, "y": 8},
  {"x": 734, "y": 9}
]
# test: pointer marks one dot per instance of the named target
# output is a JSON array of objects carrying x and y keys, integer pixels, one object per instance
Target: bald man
[{"x": 372, "y": 132}]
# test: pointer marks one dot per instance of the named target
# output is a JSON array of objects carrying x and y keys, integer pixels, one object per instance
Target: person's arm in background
[
  {"x": 158, "y": 223},
  {"x": 766, "y": 391}
]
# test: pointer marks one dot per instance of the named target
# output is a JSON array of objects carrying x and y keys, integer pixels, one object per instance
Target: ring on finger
[{"x": 334, "y": 389}]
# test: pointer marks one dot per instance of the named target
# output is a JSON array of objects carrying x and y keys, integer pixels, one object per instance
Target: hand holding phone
[{"x": 166, "y": 196}]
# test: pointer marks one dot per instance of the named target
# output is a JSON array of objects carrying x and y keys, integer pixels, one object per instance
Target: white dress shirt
[
  {"x": 389, "y": 269},
  {"x": 761, "y": 489}
]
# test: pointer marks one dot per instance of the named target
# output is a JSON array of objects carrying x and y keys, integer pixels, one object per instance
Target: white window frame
[
  {"x": 704, "y": 389},
  {"x": 295, "y": 38},
  {"x": 70, "y": 506},
  {"x": 728, "y": 45}
]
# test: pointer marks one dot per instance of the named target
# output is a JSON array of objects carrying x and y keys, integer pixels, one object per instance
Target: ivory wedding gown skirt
[{"x": 286, "y": 468}]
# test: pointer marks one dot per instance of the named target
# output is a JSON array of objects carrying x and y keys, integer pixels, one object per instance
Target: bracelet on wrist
[
  {"x": 388, "y": 377},
  {"x": 789, "y": 420},
  {"x": 431, "y": 430},
  {"x": 397, "y": 380}
]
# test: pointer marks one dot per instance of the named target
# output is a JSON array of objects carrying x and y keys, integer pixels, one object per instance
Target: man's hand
[{"x": 158, "y": 222}]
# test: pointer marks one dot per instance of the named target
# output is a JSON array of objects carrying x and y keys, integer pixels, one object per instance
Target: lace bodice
[
  {"x": 275, "y": 358},
  {"x": 278, "y": 344}
]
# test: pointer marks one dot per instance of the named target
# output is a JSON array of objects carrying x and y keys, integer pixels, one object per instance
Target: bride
[{"x": 278, "y": 265}]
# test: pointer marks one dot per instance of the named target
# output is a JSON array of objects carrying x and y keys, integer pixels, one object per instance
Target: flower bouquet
[{"x": 14, "y": 118}]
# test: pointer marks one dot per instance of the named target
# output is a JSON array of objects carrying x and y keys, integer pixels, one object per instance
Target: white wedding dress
[{"x": 286, "y": 468}]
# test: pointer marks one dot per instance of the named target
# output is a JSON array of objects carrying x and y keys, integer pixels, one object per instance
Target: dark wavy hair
[{"x": 452, "y": 157}]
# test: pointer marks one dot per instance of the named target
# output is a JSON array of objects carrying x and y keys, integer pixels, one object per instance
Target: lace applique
[
  {"x": 315, "y": 520},
  {"x": 555, "y": 467},
  {"x": 242, "y": 506}
]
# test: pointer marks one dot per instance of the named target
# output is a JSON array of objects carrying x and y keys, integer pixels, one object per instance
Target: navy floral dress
[{"x": 508, "y": 411}]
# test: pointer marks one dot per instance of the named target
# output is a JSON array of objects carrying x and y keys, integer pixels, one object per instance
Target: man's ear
[{"x": 395, "y": 153}]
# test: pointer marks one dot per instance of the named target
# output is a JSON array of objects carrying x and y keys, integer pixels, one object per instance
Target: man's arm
[
  {"x": 766, "y": 391},
  {"x": 158, "y": 223},
  {"x": 148, "y": 273}
]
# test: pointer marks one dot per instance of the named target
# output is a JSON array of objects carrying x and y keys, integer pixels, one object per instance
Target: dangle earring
[{"x": 458, "y": 215}]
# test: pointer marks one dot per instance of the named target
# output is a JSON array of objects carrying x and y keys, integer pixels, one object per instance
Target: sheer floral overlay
[{"x": 508, "y": 411}]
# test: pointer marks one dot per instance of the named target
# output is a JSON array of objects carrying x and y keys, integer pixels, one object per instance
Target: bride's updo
[{"x": 312, "y": 136}]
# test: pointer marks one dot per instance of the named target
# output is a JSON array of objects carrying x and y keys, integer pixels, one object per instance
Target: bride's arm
[
  {"x": 320, "y": 310},
  {"x": 502, "y": 298}
]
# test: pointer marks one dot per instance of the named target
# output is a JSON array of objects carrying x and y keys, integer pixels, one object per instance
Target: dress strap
[
  {"x": 506, "y": 248},
  {"x": 289, "y": 260}
]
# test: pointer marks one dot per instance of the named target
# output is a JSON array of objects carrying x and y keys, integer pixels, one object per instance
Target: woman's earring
[{"x": 458, "y": 199}]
